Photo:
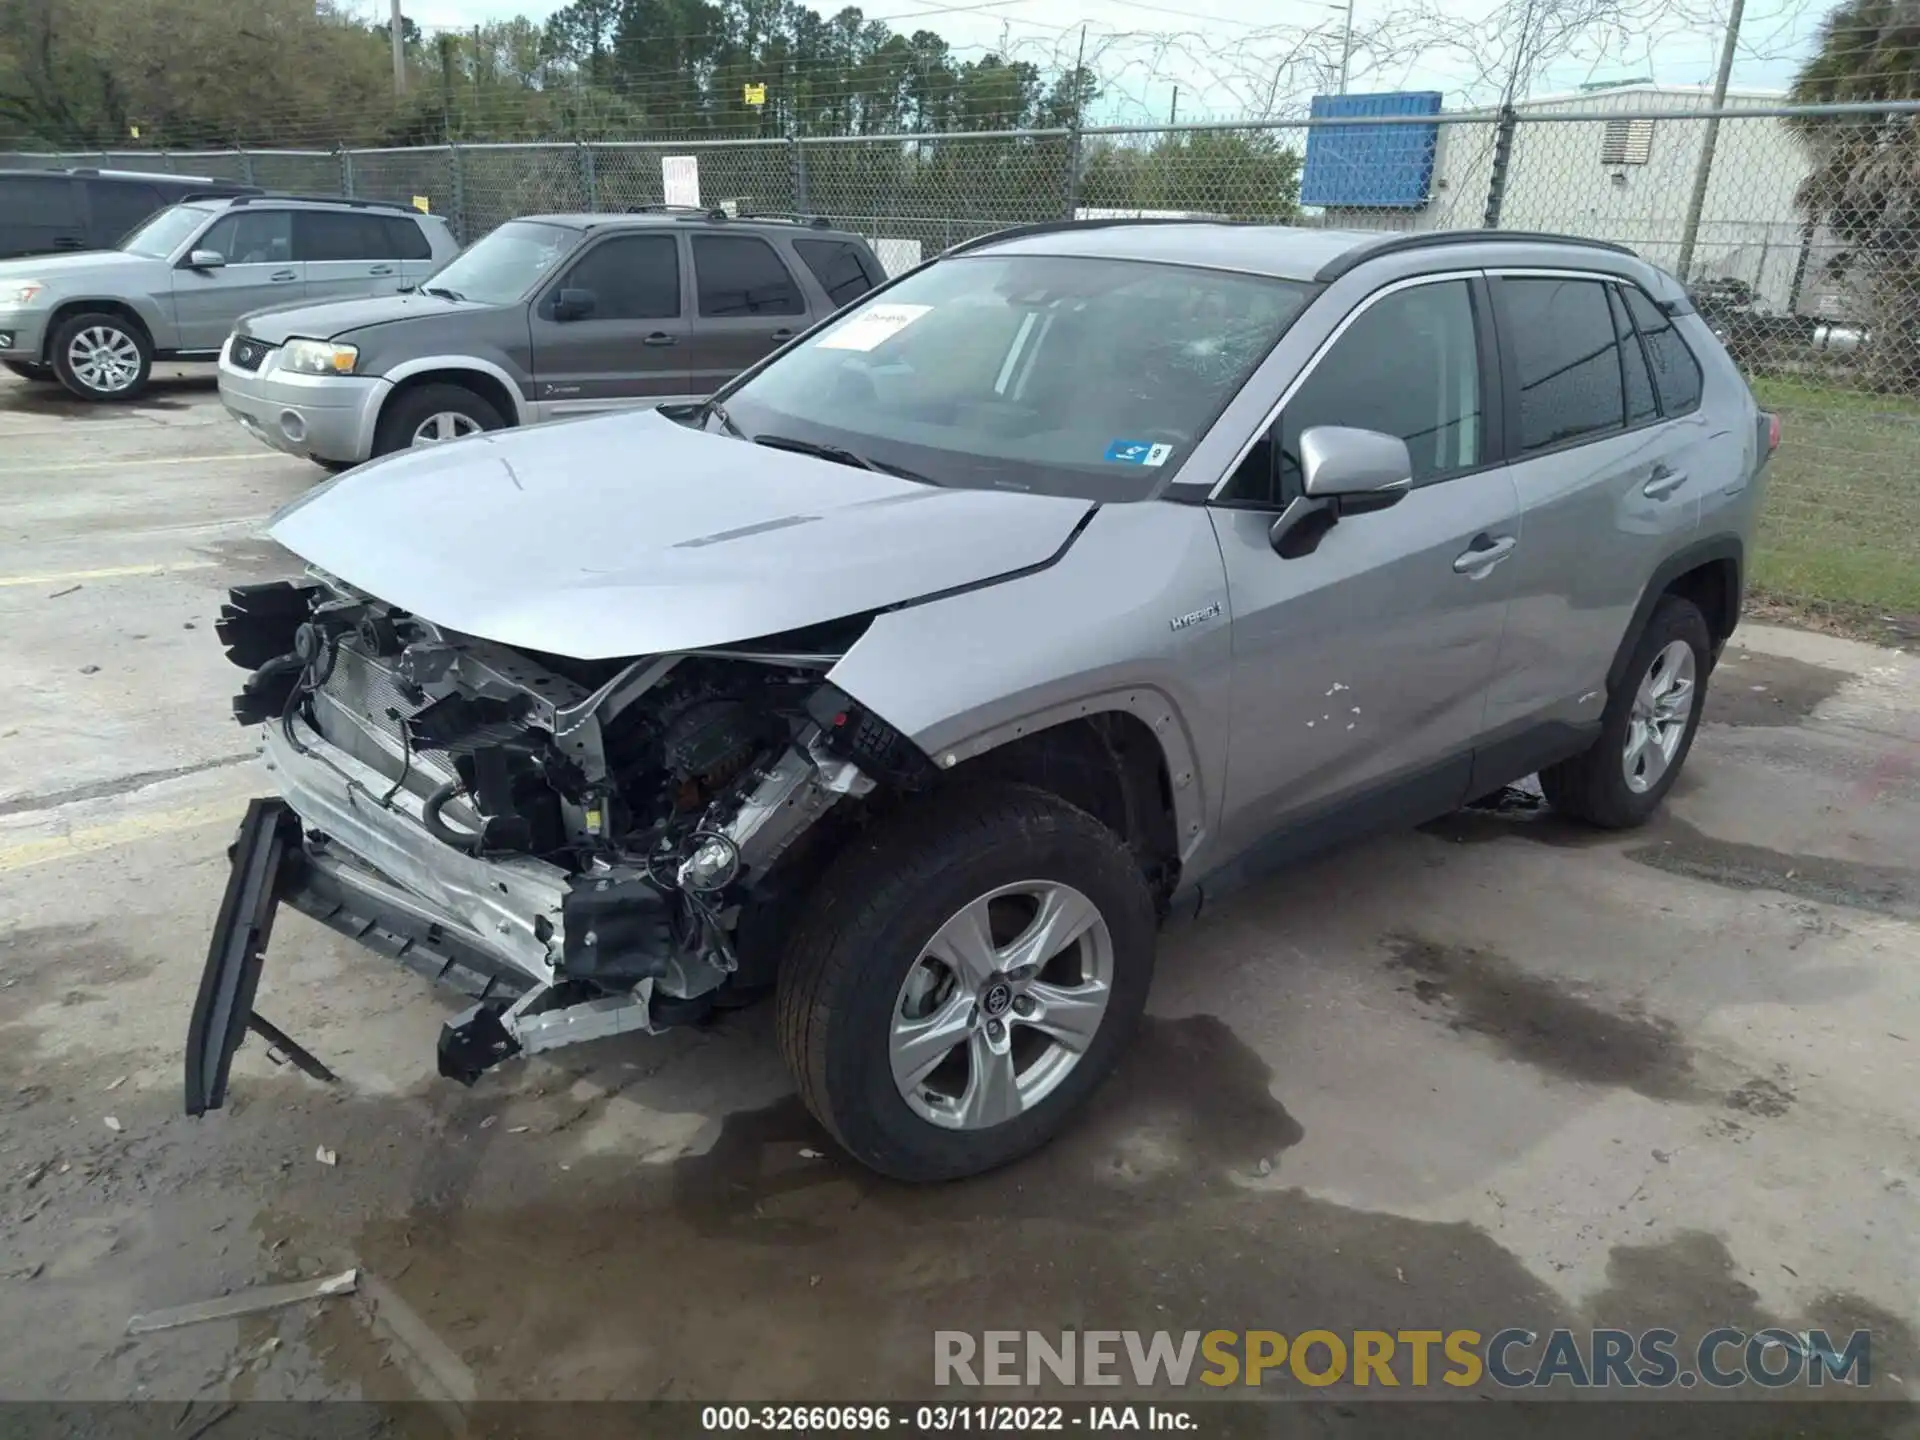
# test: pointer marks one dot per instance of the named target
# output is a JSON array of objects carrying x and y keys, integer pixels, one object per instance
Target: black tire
[
  {"x": 1592, "y": 786},
  {"x": 866, "y": 924},
  {"x": 28, "y": 370},
  {"x": 108, "y": 325},
  {"x": 334, "y": 467},
  {"x": 404, "y": 416}
]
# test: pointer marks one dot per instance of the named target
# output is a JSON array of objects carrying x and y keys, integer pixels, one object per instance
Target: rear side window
[
  {"x": 33, "y": 200},
  {"x": 632, "y": 277},
  {"x": 1633, "y": 365},
  {"x": 118, "y": 206},
  {"x": 740, "y": 275},
  {"x": 1676, "y": 374},
  {"x": 323, "y": 235},
  {"x": 837, "y": 265},
  {"x": 406, "y": 240},
  {"x": 1567, "y": 359},
  {"x": 252, "y": 237}
]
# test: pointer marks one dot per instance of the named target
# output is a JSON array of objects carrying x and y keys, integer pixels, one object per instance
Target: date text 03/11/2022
[{"x": 925, "y": 1419}]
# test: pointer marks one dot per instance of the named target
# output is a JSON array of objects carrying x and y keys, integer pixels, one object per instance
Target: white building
[{"x": 1629, "y": 180}]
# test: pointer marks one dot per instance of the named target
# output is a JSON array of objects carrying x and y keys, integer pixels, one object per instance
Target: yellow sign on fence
[{"x": 754, "y": 94}]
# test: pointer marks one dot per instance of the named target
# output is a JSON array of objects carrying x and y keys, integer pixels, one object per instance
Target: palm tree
[{"x": 1865, "y": 185}]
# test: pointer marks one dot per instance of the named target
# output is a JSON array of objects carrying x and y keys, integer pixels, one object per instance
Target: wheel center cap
[{"x": 997, "y": 999}]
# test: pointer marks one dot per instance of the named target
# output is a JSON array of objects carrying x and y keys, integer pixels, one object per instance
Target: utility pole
[
  {"x": 1696, "y": 202},
  {"x": 1346, "y": 49},
  {"x": 1173, "y": 110},
  {"x": 399, "y": 53}
]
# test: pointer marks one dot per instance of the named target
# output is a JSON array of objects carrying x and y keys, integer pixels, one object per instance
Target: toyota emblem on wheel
[{"x": 998, "y": 997}]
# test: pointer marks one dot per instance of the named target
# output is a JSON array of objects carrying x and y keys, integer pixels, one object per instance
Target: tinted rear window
[
  {"x": 740, "y": 275},
  {"x": 405, "y": 239},
  {"x": 323, "y": 235},
  {"x": 1568, "y": 360},
  {"x": 1676, "y": 374},
  {"x": 838, "y": 266},
  {"x": 36, "y": 200},
  {"x": 120, "y": 205}
]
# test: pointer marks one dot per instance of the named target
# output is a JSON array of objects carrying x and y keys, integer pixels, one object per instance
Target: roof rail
[
  {"x": 1104, "y": 222},
  {"x": 1433, "y": 239},
  {"x": 355, "y": 201}
]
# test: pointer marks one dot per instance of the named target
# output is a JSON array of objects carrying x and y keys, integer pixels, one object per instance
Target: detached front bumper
[{"x": 317, "y": 417}]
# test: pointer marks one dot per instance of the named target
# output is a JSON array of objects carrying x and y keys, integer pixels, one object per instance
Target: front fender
[
  {"x": 1090, "y": 632},
  {"x": 473, "y": 364}
]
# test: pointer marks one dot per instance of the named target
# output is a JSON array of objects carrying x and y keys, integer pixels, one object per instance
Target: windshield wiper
[
  {"x": 442, "y": 291},
  {"x": 840, "y": 455},
  {"x": 713, "y": 409}
]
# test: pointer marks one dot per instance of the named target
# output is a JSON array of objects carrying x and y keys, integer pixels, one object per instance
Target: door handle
[
  {"x": 660, "y": 337},
  {"x": 280, "y": 277},
  {"x": 783, "y": 334},
  {"x": 1664, "y": 482},
  {"x": 67, "y": 242},
  {"x": 381, "y": 270},
  {"x": 1483, "y": 554}
]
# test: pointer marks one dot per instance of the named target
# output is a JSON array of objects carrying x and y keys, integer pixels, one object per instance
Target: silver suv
[
  {"x": 918, "y": 675},
  {"x": 173, "y": 289}
]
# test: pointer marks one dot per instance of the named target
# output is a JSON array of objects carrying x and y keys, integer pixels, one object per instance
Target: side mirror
[
  {"x": 1343, "y": 472},
  {"x": 574, "y": 304},
  {"x": 205, "y": 260},
  {"x": 1356, "y": 470}
]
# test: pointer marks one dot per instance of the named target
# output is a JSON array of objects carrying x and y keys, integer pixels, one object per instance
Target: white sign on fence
[
  {"x": 680, "y": 179},
  {"x": 897, "y": 256}
]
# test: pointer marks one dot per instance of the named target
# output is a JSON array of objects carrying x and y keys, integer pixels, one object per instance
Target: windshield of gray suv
[
  {"x": 1063, "y": 375},
  {"x": 501, "y": 268},
  {"x": 166, "y": 232}
]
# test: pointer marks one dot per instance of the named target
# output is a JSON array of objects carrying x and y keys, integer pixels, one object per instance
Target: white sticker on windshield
[{"x": 873, "y": 325}]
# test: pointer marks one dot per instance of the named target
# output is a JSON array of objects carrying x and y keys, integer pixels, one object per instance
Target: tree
[
  {"x": 1243, "y": 175},
  {"x": 1865, "y": 184}
]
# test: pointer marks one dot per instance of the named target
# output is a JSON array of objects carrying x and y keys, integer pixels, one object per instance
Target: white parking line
[
  {"x": 115, "y": 572},
  {"x": 132, "y": 463}
]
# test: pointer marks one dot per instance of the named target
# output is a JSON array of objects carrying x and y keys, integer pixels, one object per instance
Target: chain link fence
[{"x": 1797, "y": 229}]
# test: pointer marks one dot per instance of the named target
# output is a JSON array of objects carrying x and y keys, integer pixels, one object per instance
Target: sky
[{"x": 1221, "y": 55}]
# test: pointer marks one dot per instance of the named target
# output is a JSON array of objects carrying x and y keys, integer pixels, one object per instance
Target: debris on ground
[
  {"x": 89, "y": 669},
  {"x": 35, "y": 1174},
  {"x": 326, "y": 1156},
  {"x": 113, "y": 1124},
  {"x": 810, "y": 1155},
  {"x": 244, "y": 1302},
  {"x": 518, "y": 1129},
  {"x": 68, "y": 591},
  {"x": 487, "y": 1124},
  {"x": 116, "y": 1084}
]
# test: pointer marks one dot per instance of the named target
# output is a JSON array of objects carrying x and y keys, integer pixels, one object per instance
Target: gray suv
[
  {"x": 1066, "y": 582},
  {"x": 95, "y": 321},
  {"x": 548, "y": 316}
]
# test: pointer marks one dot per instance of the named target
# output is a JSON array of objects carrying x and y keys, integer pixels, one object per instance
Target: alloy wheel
[
  {"x": 1657, "y": 723},
  {"x": 104, "y": 359},
  {"x": 446, "y": 425},
  {"x": 1001, "y": 1004}
]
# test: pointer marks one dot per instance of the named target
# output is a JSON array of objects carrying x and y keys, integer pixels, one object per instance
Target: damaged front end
[{"x": 583, "y": 847}]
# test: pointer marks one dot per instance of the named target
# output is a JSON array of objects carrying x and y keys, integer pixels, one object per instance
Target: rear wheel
[
  {"x": 28, "y": 370},
  {"x": 99, "y": 356},
  {"x": 1648, "y": 727},
  {"x": 964, "y": 978},
  {"x": 433, "y": 415}
]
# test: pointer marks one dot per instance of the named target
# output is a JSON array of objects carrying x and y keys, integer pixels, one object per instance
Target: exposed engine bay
[{"x": 596, "y": 845}]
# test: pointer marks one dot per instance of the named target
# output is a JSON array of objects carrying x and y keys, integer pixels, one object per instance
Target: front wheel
[
  {"x": 99, "y": 356},
  {"x": 1647, "y": 729},
  {"x": 964, "y": 979},
  {"x": 433, "y": 415}
]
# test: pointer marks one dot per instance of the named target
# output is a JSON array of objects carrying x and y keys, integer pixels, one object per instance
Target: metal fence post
[
  {"x": 1072, "y": 185},
  {"x": 589, "y": 181},
  {"x": 797, "y": 174},
  {"x": 457, "y": 181},
  {"x": 1502, "y": 157},
  {"x": 346, "y": 170},
  {"x": 246, "y": 167}
]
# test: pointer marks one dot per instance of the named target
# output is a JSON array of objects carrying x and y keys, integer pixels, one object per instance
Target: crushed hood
[
  {"x": 332, "y": 318},
  {"x": 632, "y": 535}
]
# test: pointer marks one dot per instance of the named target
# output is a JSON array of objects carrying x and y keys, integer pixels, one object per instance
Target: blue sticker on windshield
[{"x": 1138, "y": 452}]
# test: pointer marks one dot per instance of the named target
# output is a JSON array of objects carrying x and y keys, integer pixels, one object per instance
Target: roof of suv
[
  {"x": 653, "y": 216},
  {"x": 1285, "y": 252}
]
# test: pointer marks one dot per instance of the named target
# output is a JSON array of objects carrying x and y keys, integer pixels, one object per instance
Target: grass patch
[{"x": 1840, "y": 526}]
